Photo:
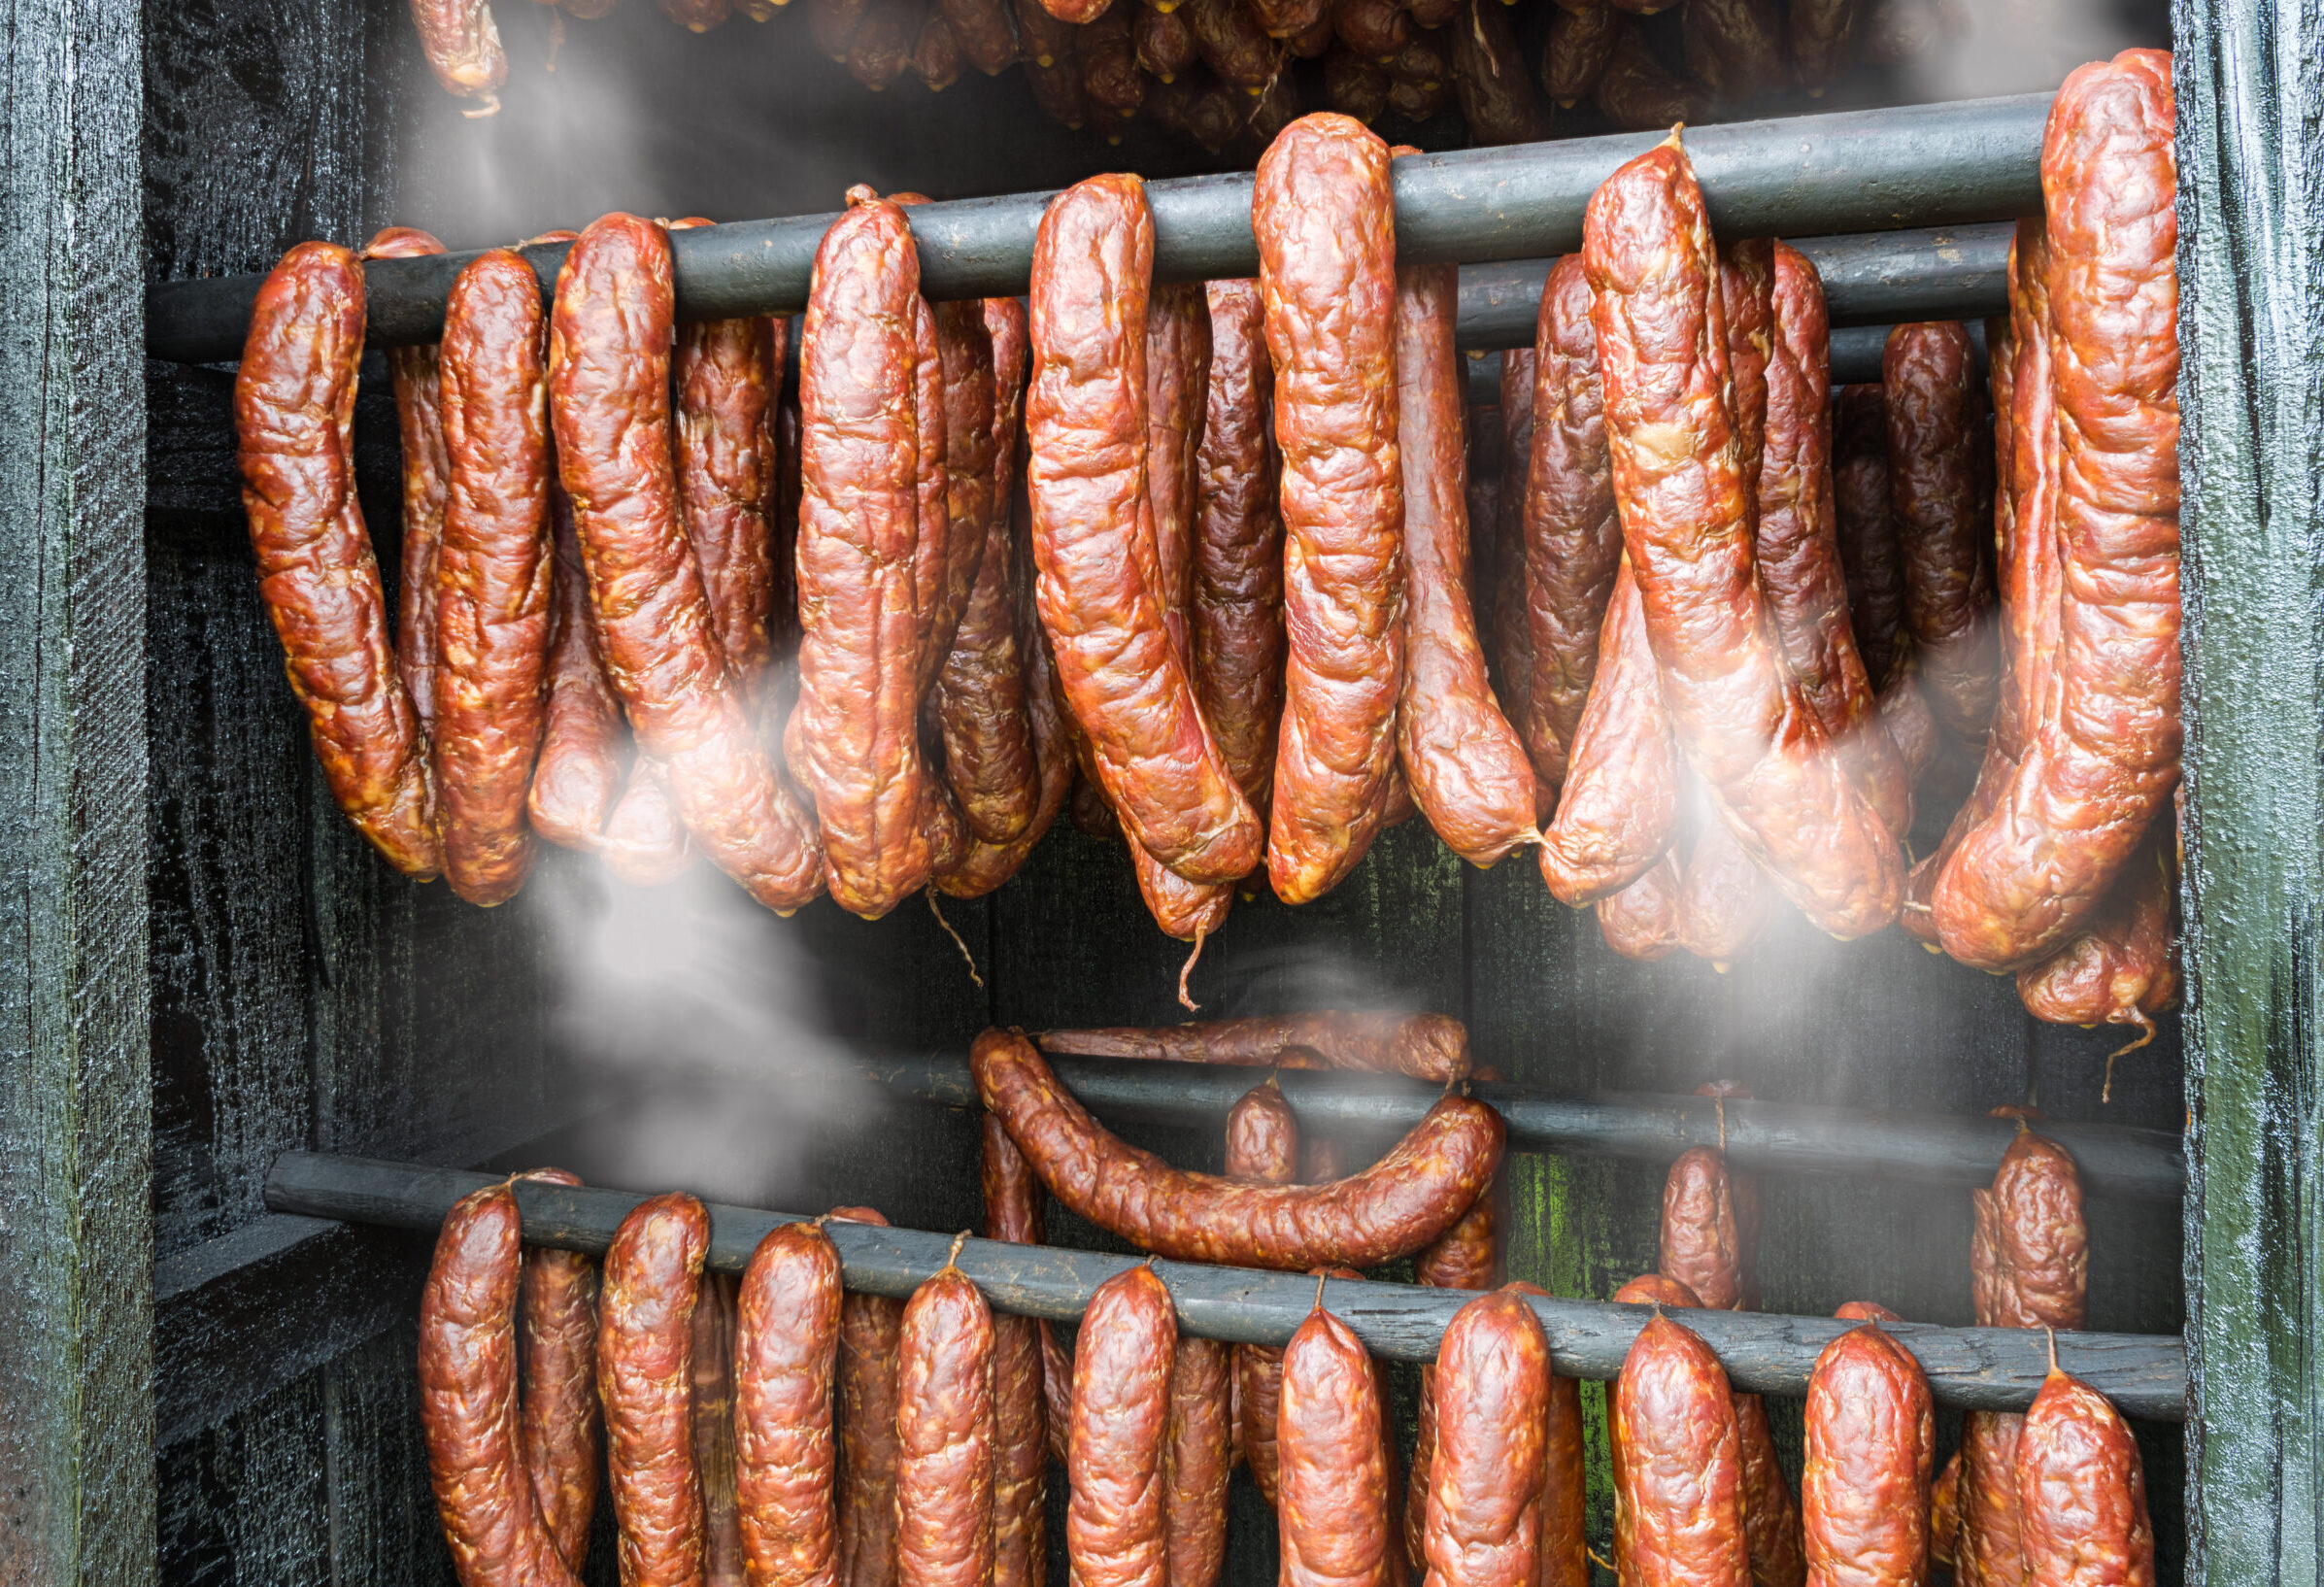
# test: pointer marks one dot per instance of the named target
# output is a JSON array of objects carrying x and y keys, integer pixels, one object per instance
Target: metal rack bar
[
  {"x": 1978, "y": 1368},
  {"x": 1781, "y": 1137},
  {"x": 1921, "y": 165}
]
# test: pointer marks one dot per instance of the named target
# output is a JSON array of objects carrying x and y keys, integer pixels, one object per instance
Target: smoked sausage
[
  {"x": 1678, "y": 1474},
  {"x": 1864, "y": 1486},
  {"x": 1735, "y": 48},
  {"x": 1331, "y": 1482},
  {"x": 1737, "y": 713},
  {"x": 1581, "y": 40},
  {"x": 1564, "y": 1477},
  {"x": 1400, "y": 1203},
  {"x": 1988, "y": 1550},
  {"x": 944, "y": 1434},
  {"x": 1723, "y": 897},
  {"x": 1638, "y": 92},
  {"x": 1235, "y": 607},
  {"x": 710, "y": 1408},
  {"x": 2081, "y": 1491},
  {"x": 1086, "y": 418},
  {"x": 294, "y": 402},
  {"x": 576, "y": 779},
  {"x": 492, "y": 570},
  {"x": 1702, "y": 1239},
  {"x": 2103, "y": 760},
  {"x": 1324, "y": 218},
  {"x": 2118, "y": 970},
  {"x": 1620, "y": 807},
  {"x": 1870, "y": 555},
  {"x": 462, "y": 45},
  {"x": 1502, "y": 568},
  {"x": 609, "y": 388},
  {"x": 1466, "y": 1257},
  {"x": 1490, "y": 1391},
  {"x": 561, "y": 1426},
  {"x": 1819, "y": 36},
  {"x": 1641, "y": 920},
  {"x": 1496, "y": 95},
  {"x": 427, "y": 475},
  {"x": 2029, "y": 1244},
  {"x": 1424, "y": 1046},
  {"x": 1944, "y": 1514},
  {"x": 1196, "y": 1461},
  {"x": 1013, "y": 1212},
  {"x": 1263, "y": 1146},
  {"x": 1572, "y": 539},
  {"x": 645, "y": 1347},
  {"x": 1118, "y": 1433},
  {"x": 468, "y": 1409},
  {"x": 870, "y": 1335},
  {"x": 786, "y": 1361},
  {"x": 1466, "y": 766}
]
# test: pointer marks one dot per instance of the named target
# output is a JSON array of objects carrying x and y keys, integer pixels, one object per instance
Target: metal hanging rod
[
  {"x": 1783, "y": 1137},
  {"x": 1852, "y": 171},
  {"x": 1978, "y": 1368}
]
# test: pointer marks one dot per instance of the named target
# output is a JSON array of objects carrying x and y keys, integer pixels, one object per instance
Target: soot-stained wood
[{"x": 76, "y": 1251}]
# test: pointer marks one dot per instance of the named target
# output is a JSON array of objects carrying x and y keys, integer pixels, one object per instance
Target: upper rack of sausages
[
  {"x": 868, "y": 1405},
  {"x": 1229, "y": 568}
]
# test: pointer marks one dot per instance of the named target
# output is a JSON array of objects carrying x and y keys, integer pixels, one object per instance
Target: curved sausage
[
  {"x": 2081, "y": 1491},
  {"x": 1120, "y": 1423},
  {"x": 294, "y": 398},
  {"x": 944, "y": 1430},
  {"x": 1935, "y": 423},
  {"x": 2104, "y": 758},
  {"x": 1332, "y": 1483},
  {"x": 1056, "y": 1391},
  {"x": 1944, "y": 1514},
  {"x": 1400, "y": 1203},
  {"x": 1485, "y": 1482},
  {"x": 427, "y": 475},
  {"x": 1467, "y": 767},
  {"x": 1771, "y": 1510},
  {"x": 1641, "y": 920},
  {"x": 1235, "y": 607},
  {"x": 2118, "y": 970},
  {"x": 1572, "y": 539},
  {"x": 787, "y": 1363},
  {"x": 1800, "y": 566},
  {"x": 1678, "y": 1477},
  {"x": 1052, "y": 64},
  {"x": 1737, "y": 713},
  {"x": 1424, "y": 1046},
  {"x": 645, "y": 1347},
  {"x": 462, "y": 45},
  {"x": 870, "y": 1335},
  {"x": 1325, "y": 218},
  {"x": 559, "y": 1425},
  {"x": 1865, "y": 1488},
  {"x": 1086, "y": 417},
  {"x": 576, "y": 779},
  {"x": 468, "y": 1409},
  {"x": 970, "y": 371},
  {"x": 609, "y": 387},
  {"x": 1563, "y": 1530},
  {"x": 1620, "y": 806},
  {"x": 492, "y": 569}
]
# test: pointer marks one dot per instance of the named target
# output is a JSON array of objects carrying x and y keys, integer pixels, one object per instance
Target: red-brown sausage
[
  {"x": 1400, "y": 1203},
  {"x": 1724, "y": 897},
  {"x": 1013, "y": 1211},
  {"x": 1565, "y": 1543},
  {"x": 2081, "y": 1491},
  {"x": 2029, "y": 1245},
  {"x": 1263, "y": 1148},
  {"x": 561, "y": 1426},
  {"x": 1057, "y": 1392},
  {"x": 1195, "y": 1462},
  {"x": 1490, "y": 1386},
  {"x": 2118, "y": 968},
  {"x": 1701, "y": 1237},
  {"x": 1799, "y": 567},
  {"x": 1864, "y": 1485},
  {"x": 1235, "y": 607},
  {"x": 710, "y": 1410},
  {"x": 1572, "y": 539},
  {"x": 1641, "y": 920},
  {"x": 880, "y": 46},
  {"x": 1165, "y": 44},
  {"x": 1466, "y": 766},
  {"x": 1934, "y": 422},
  {"x": 1679, "y": 1476},
  {"x": 609, "y": 385},
  {"x": 644, "y": 843},
  {"x": 1327, "y": 248},
  {"x": 944, "y": 1430},
  {"x": 462, "y": 45},
  {"x": 427, "y": 475},
  {"x": 645, "y": 1345},
  {"x": 1620, "y": 805},
  {"x": 786, "y": 1361},
  {"x": 1466, "y": 1257},
  {"x": 1086, "y": 417},
  {"x": 576, "y": 779},
  {"x": 1331, "y": 1482},
  {"x": 1424, "y": 1046},
  {"x": 1944, "y": 1514},
  {"x": 1120, "y": 1425},
  {"x": 1870, "y": 555},
  {"x": 1771, "y": 1510},
  {"x": 870, "y": 1334},
  {"x": 1989, "y": 1550},
  {"x": 1500, "y": 569},
  {"x": 491, "y": 575},
  {"x": 2103, "y": 758},
  {"x": 1232, "y": 44},
  {"x": 468, "y": 1410},
  {"x": 1738, "y": 715},
  {"x": 294, "y": 398}
]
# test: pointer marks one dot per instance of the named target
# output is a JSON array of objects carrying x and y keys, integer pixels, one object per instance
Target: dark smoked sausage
[
  {"x": 645, "y": 1339},
  {"x": 1086, "y": 417},
  {"x": 870, "y": 1334},
  {"x": 786, "y": 1361},
  {"x": 468, "y": 1409},
  {"x": 944, "y": 1427},
  {"x": 1263, "y": 1148},
  {"x": 561, "y": 1426},
  {"x": 576, "y": 779},
  {"x": 1400, "y": 1203},
  {"x": 1324, "y": 218},
  {"x": 1332, "y": 1484},
  {"x": 1864, "y": 1484},
  {"x": 1501, "y": 569},
  {"x": 1738, "y": 715},
  {"x": 427, "y": 475},
  {"x": 609, "y": 385},
  {"x": 1870, "y": 555},
  {"x": 1641, "y": 921},
  {"x": 1424, "y": 1046},
  {"x": 2118, "y": 970},
  {"x": 1119, "y": 1429},
  {"x": 294, "y": 399},
  {"x": 492, "y": 570}
]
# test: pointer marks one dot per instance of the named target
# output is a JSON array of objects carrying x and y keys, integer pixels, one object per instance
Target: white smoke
[{"x": 2000, "y": 46}]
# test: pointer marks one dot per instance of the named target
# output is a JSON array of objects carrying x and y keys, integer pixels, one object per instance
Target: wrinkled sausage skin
[
  {"x": 1490, "y": 1394},
  {"x": 462, "y": 45},
  {"x": 1324, "y": 218},
  {"x": 1195, "y": 1462},
  {"x": 561, "y": 1426},
  {"x": 1263, "y": 1148},
  {"x": 870, "y": 1334},
  {"x": 786, "y": 1361},
  {"x": 577, "y": 777},
  {"x": 1865, "y": 1488},
  {"x": 1400, "y": 1203},
  {"x": 1935, "y": 425},
  {"x": 1120, "y": 1422},
  {"x": 1332, "y": 1473},
  {"x": 944, "y": 1435},
  {"x": 2081, "y": 1492},
  {"x": 1424, "y": 1046},
  {"x": 1679, "y": 1476},
  {"x": 294, "y": 399},
  {"x": 645, "y": 1347},
  {"x": 1620, "y": 806},
  {"x": 427, "y": 475}
]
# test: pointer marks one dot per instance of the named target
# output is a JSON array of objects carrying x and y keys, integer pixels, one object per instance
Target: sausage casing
[
  {"x": 1119, "y": 1424},
  {"x": 1620, "y": 804},
  {"x": 1195, "y": 1462},
  {"x": 944, "y": 1435},
  {"x": 294, "y": 399},
  {"x": 1331, "y": 1478},
  {"x": 787, "y": 1363},
  {"x": 1641, "y": 921},
  {"x": 2029, "y": 1245},
  {"x": 645, "y": 1348},
  {"x": 576, "y": 779},
  {"x": 1424, "y": 1046},
  {"x": 1490, "y": 1391},
  {"x": 560, "y": 1424},
  {"x": 427, "y": 475},
  {"x": 462, "y": 45},
  {"x": 2081, "y": 1492},
  {"x": 1679, "y": 1474},
  {"x": 1263, "y": 1147},
  {"x": 1324, "y": 218},
  {"x": 1865, "y": 1488},
  {"x": 1870, "y": 555},
  {"x": 870, "y": 1337},
  {"x": 1935, "y": 423},
  {"x": 1013, "y": 1211}
]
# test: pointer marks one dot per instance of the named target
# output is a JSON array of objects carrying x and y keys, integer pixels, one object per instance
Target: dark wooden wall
[{"x": 300, "y": 996}]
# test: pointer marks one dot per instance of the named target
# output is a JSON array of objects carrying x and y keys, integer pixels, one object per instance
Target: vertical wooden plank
[
  {"x": 2250, "y": 90},
  {"x": 76, "y": 1262}
]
